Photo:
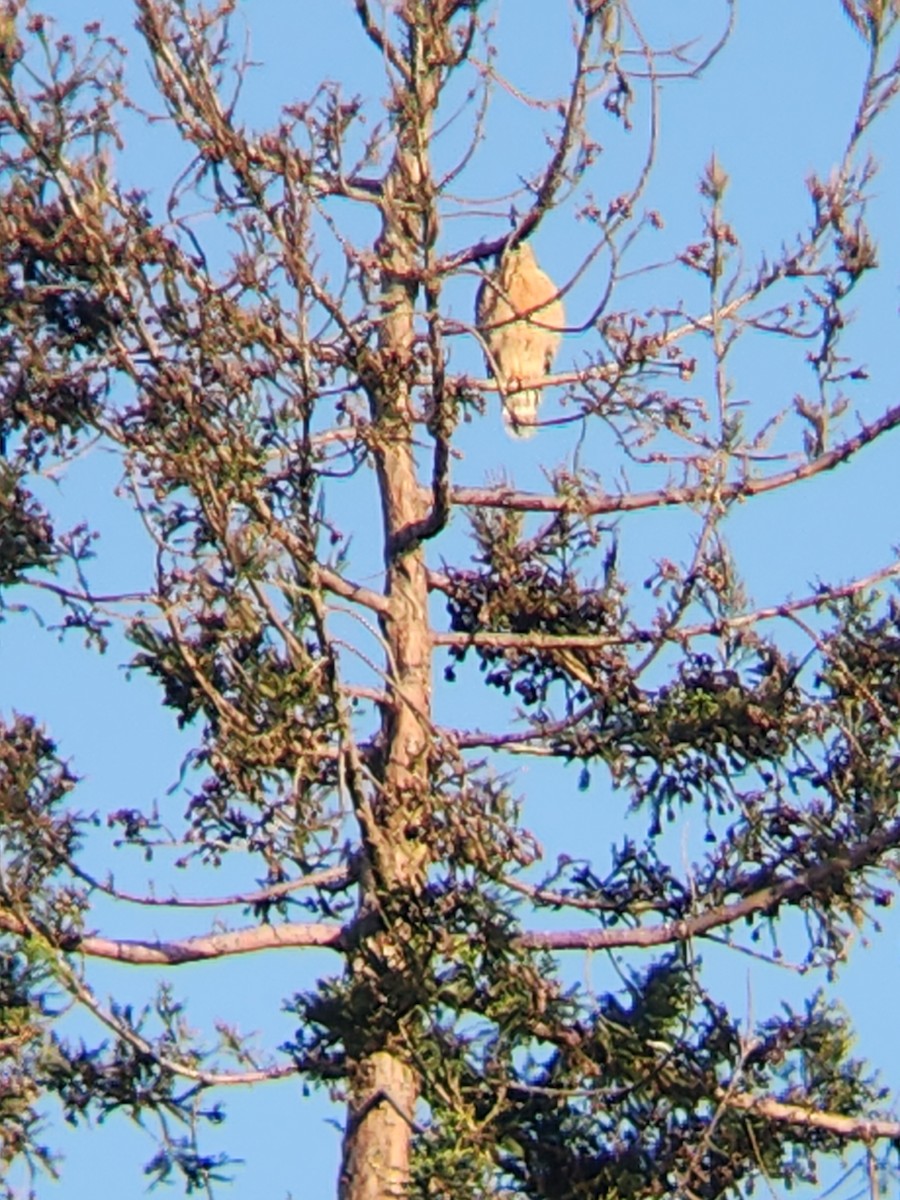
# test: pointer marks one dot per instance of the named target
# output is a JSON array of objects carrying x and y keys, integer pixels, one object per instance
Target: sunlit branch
[
  {"x": 587, "y": 502},
  {"x": 76, "y": 986},
  {"x": 858, "y": 1128},
  {"x": 764, "y": 900},
  {"x": 542, "y": 641},
  {"x": 147, "y": 953}
]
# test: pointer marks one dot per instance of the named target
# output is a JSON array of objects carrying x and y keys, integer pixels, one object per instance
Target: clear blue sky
[{"x": 774, "y": 107}]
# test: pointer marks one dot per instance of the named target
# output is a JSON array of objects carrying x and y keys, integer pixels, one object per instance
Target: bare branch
[
  {"x": 334, "y": 877},
  {"x": 860, "y": 1129},
  {"x": 196, "y": 949},
  {"x": 763, "y": 900},
  {"x": 595, "y": 504}
]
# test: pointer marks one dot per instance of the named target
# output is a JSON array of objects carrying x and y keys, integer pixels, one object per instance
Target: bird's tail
[{"x": 520, "y": 412}]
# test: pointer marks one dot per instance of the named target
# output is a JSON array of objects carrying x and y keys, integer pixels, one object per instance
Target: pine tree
[{"x": 273, "y": 352}]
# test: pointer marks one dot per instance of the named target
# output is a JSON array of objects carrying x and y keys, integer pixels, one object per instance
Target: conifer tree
[{"x": 276, "y": 346}]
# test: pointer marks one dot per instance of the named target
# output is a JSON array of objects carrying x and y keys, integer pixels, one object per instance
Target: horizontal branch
[
  {"x": 762, "y": 900},
  {"x": 765, "y": 899},
  {"x": 146, "y": 953},
  {"x": 121, "y": 1026},
  {"x": 594, "y": 503},
  {"x": 609, "y": 373},
  {"x": 859, "y": 1128},
  {"x": 506, "y": 640},
  {"x": 543, "y": 734},
  {"x": 332, "y": 878},
  {"x": 213, "y": 945}
]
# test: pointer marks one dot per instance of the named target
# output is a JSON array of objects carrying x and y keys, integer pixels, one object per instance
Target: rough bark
[
  {"x": 378, "y": 1129},
  {"x": 377, "y": 1142}
]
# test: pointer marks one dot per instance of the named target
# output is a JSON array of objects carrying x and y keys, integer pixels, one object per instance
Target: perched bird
[{"x": 520, "y": 317}]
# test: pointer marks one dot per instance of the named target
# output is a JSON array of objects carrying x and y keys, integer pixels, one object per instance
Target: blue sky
[{"x": 774, "y": 107}]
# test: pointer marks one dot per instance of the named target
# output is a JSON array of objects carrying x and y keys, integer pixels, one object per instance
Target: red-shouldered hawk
[{"x": 520, "y": 346}]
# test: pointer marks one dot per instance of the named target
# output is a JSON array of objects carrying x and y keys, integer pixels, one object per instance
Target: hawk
[{"x": 520, "y": 317}]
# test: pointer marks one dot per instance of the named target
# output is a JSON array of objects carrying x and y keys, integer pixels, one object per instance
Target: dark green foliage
[{"x": 26, "y": 534}]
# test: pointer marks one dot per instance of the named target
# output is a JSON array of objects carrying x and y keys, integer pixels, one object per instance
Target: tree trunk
[
  {"x": 377, "y": 1135},
  {"x": 384, "y": 1088}
]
